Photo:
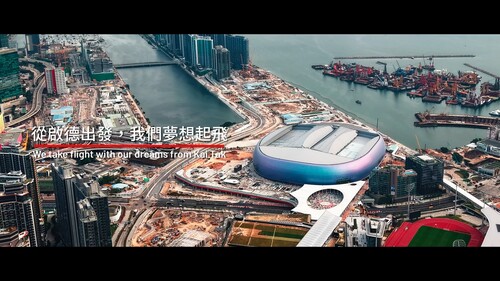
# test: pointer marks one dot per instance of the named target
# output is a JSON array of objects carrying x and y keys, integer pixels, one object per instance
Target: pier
[
  {"x": 482, "y": 71},
  {"x": 426, "y": 119},
  {"x": 145, "y": 64},
  {"x": 402, "y": 57}
]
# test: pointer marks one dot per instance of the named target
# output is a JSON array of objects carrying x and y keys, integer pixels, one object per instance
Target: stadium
[
  {"x": 322, "y": 154},
  {"x": 435, "y": 232}
]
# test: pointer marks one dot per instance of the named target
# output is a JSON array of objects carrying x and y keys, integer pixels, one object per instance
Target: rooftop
[
  {"x": 491, "y": 142},
  {"x": 321, "y": 230},
  {"x": 191, "y": 238},
  {"x": 494, "y": 164},
  {"x": 11, "y": 137},
  {"x": 425, "y": 158},
  {"x": 331, "y": 143}
]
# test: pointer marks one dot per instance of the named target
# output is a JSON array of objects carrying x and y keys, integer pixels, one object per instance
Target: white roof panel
[{"x": 321, "y": 230}]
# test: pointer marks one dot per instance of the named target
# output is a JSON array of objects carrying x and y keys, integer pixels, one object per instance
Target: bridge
[
  {"x": 145, "y": 64},
  {"x": 492, "y": 237},
  {"x": 482, "y": 71}
]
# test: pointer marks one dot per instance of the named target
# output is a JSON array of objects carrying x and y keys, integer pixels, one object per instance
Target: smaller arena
[{"x": 314, "y": 200}]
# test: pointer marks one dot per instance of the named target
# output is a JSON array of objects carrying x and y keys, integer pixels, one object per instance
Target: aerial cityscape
[{"x": 225, "y": 140}]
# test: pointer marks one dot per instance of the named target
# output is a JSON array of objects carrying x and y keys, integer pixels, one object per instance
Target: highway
[
  {"x": 35, "y": 106},
  {"x": 39, "y": 81},
  {"x": 156, "y": 183},
  {"x": 151, "y": 191},
  {"x": 434, "y": 205},
  {"x": 242, "y": 206},
  {"x": 36, "y": 73},
  {"x": 145, "y": 64}
]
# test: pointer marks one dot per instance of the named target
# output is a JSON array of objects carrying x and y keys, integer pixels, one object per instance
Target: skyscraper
[
  {"x": 32, "y": 43},
  {"x": 203, "y": 46},
  {"x": 2, "y": 121},
  {"x": 17, "y": 208},
  {"x": 10, "y": 86},
  {"x": 429, "y": 172},
  {"x": 219, "y": 39},
  {"x": 56, "y": 80},
  {"x": 239, "y": 50},
  {"x": 159, "y": 38},
  {"x": 187, "y": 48},
  {"x": 393, "y": 182},
  {"x": 82, "y": 210},
  {"x": 21, "y": 162},
  {"x": 221, "y": 62},
  {"x": 4, "y": 40},
  {"x": 174, "y": 43}
]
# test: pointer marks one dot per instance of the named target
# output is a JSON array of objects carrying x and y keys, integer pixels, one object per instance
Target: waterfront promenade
[{"x": 217, "y": 89}]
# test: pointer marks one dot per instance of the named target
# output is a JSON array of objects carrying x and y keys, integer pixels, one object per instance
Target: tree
[
  {"x": 475, "y": 140},
  {"x": 444, "y": 149},
  {"x": 228, "y": 124},
  {"x": 29, "y": 96},
  {"x": 457, "y": 158},
  {"x": 107, "y": 179},
  {"x": 85, "y": 161},
  {"x": 387, "y": 199}
]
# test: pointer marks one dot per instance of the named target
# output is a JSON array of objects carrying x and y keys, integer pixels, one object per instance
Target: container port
[{"x": 422, "y": 81}]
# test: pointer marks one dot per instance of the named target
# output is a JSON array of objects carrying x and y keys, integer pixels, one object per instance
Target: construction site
[
  {"x": 181, "y": 228},
  {"x": 233, "y": 175},
  {"x": 263, "y": 90}
]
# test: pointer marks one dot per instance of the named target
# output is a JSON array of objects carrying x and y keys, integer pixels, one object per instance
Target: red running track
[{"x": 402, "y": 236}]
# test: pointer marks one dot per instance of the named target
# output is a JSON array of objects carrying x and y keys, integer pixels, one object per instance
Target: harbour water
[
  {"x": 291, "y": 56},
  {"x": 168, "y": 95}
]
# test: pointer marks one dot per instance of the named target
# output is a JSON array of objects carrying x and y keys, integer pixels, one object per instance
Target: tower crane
[{"x": 385, "y": 66}]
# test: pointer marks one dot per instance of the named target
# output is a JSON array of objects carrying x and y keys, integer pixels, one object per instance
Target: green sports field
[
  {"x": 434, "y": 237},
  {"x": 257, "y": 234}
]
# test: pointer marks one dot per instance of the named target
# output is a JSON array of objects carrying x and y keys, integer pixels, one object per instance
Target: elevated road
[
  {"x": 46, "y": 64},
  {"x": 145, "y": 64},
  {"x": 157, "y": 183},
  {"x": 39, "y": 81},
  {"x": 151, "y": 192},
  {"x": 35, "y": 106}
]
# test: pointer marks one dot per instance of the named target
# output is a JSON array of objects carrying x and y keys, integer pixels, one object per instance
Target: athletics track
[{"x": 402, "y": 236}]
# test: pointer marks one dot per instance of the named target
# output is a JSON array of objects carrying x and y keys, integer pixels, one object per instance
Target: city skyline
[{"x": 89, "y": 145}]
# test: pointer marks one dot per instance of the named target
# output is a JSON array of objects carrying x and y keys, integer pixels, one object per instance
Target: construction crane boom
[{"x": 418, "y": 143}]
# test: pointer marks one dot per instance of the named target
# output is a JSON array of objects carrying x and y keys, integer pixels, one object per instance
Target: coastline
[
  {"x": 143, "y": 120},
  {"x": 199, "y": 79},
  {"x": 344, "y": 114}
]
